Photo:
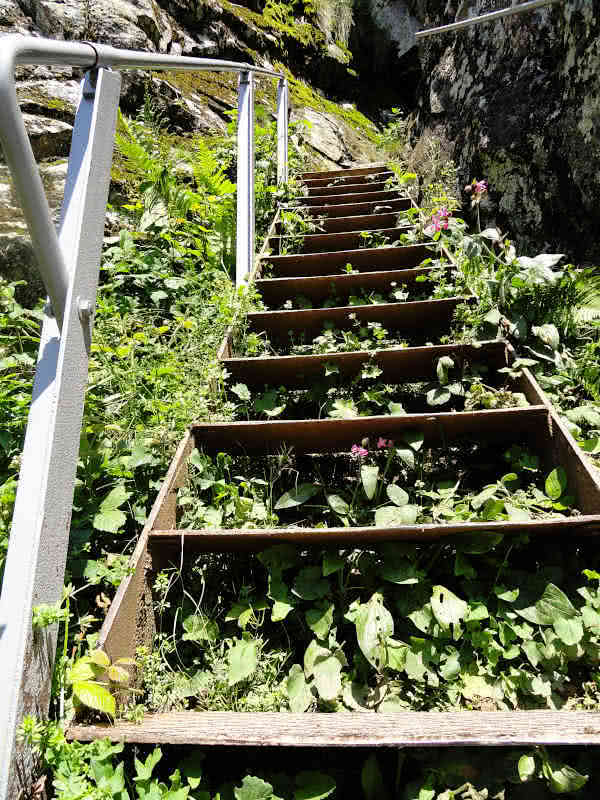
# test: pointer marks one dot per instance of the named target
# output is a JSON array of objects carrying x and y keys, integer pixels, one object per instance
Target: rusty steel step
[
  {"x": 346, "y": 188},
  {"x": 363, "y": 196},
  {"x": 340, "y": 180},
  {"x": 275, "y": 291},
  {"x": 332, "y": 242},
  {"x": 348, "y": 209},
  {"x": 360, "y": 222},
  {"x": 433, "y": 316},
  {"x": 397, "y": 366},
  {"x": 367, "y": 259},
  {"x": 369, "y": 169}
]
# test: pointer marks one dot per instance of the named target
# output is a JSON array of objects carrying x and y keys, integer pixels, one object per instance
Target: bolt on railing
[{"x": 69, "y": 266}]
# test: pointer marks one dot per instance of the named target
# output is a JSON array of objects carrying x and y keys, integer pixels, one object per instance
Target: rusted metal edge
[
  {"x": 318, "y": 287},
  {"x": 397, "y": 365},
  {"x": 181, "y": 542},
  {"x": 376, "y": 166},
  {"x": 360, "y": 179},
  {"x": 401, "y": 203},
  {"x": 358, "y": 256},
  {"x": 326, "y": 240},
  {"x": 346, "y": 188},
  {"x": 350, "y": 197},
  {"x": 116, "y": 634}
]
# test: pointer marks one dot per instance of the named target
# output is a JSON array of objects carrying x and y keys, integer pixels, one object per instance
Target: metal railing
[
  {"x": 69, "y": 263},
  {"x": 492, "y": 16}
]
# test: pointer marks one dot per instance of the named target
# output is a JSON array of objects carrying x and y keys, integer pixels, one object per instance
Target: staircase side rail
[{"x": 521, "y": 8}]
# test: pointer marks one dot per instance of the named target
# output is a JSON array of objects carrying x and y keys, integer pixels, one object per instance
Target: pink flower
[
  {"x": 358, "y": 451},
  {"x": 480, "y": 187},
  {"x": 381, "y": 443}
]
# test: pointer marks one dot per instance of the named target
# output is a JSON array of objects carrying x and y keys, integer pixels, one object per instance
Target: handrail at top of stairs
[
  {"x": 69, "y": 262},
  {"x": 18, "y": 50}
]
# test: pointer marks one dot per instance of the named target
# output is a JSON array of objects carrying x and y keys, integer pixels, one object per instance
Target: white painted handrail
[{"x": 69, "y": 264}]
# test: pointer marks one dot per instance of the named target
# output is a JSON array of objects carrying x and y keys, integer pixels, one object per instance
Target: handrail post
[
  {"x": 282, "y": 131},
  {"x": 37, "y": 549},
  {"x": 244, "y": 260}
]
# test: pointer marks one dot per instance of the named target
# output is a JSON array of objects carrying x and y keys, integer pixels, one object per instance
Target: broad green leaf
[
  {"x": 438, "y": 396},
  {"x": 279, "y": 557},
  {"x": 295, "y": 497},
  {"x": 371, "y": 779},
  {"x": 562, "y": 779},
  {"x": 480, "y": 686},
  {"x": 526, "y": 767},
  {"x": 414, "y": 439},
  {"x": 242, "y": 660},
  {"x": 444, "y": 364},
  {"x": 447, "y": 607},
  {"x": 368, "y": 476},
  {"x": 396, "y": 654},
  {"x": 394, "y": 517},
  {"x": 241, "y": 391},
  {"x": 279, "y": 593},
  {"x": 374, "y": 624},
  {"x": 312, "y": 653},
  {"x": 587, "y": 414},
  {"x": 145, "y": 768},
  {"x": 569, "y": 631},
  {"x": 118, "y": 674},
  {"x": 313, "y": 786},
  {"x": 253, "y": 789},
  {"x": 199, "y": 628},
  {"x": 556, "y": 483},
  {"x": 328, "y": 681},
  {"x": 396, "y": 409},
  {"x": 406, "y": 454},
  {"x": 450, "y": 669},
  {"x": 548, "y": 334},
  {"x": 479, "y": 543},
  {"x": 483, "y": 496},
  {"x": 115, "y": 498},
  {"x": 338, "y": 504},
  {"x": 94, "y": 695},
  {"x": 110, "y": 520},
  {"x": 344, "y": 409},
  {"x": 400, "y": 571},
  {"x": 554, "y": 605},
  {"x": 84, "y": 670},
  {"x": 397, "y": 495},
  {"x": 332, "y": 562},
  {"x": 298, "y": 691},
  {"x": 309, "y": 585},
  {"x": 99, "y": 657},
  {"x": 320, "y": 619}
]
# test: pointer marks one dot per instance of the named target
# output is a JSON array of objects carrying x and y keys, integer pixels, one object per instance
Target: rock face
[
  {"x": 49, "y": 96},
  {"x": 518, "y": 100}
]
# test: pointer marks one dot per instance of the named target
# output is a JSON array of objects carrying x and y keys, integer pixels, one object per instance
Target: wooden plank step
[
  {"x": 317, "y": 288},
  {"x": 368, "y": 169},
  {"x": 364, "y": 222},
  {"x": 403, "y": 729},
  {"x": 342, "y": 179},
  {"x": 362, "y": 196},
  {"x": 331, "y": 242},
  {"x": 352, "y": 209},
  {"x": 411, "y": 363},
  {"x": 366, "y": 259},
  {"x": 346, "y": 188},
  {"x": 428, "y": 317}
]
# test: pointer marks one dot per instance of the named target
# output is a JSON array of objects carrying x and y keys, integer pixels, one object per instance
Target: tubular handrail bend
[
  {"x": 15, "y": 143},
  {"x": 69, "y": 265}
]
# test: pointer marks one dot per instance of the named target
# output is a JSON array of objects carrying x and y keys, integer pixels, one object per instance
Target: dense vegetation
[{"x": 488, "y": 624}]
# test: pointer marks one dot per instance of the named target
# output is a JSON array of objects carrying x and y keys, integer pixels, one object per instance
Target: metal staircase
[{"x": 339, "y": 200}]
